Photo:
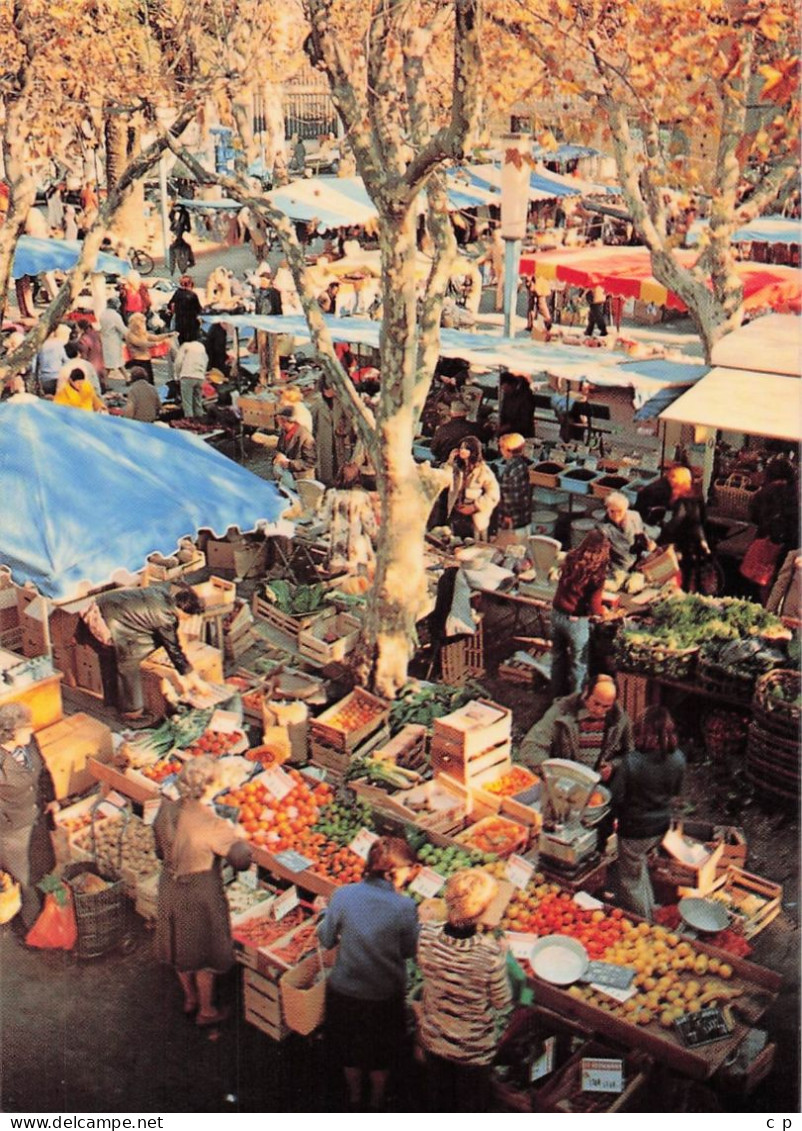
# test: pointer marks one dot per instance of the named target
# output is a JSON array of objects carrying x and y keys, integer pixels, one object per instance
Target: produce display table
[
  {"x": 760, "y": 989},
  {"x": 113, "y": 778}
]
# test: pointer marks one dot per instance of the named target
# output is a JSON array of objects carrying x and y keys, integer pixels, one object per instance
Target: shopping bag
[
  {"x": 10, "y": 897},
  {"x": 303, "y": 994},
  {"x": 661, "y": 566},
  {"x": 760, "y": 560},
  {"x": 56, "y": 928}
]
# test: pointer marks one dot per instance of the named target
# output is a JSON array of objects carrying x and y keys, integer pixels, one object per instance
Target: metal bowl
[
  {"x": 594, "y": 813},
  {"x": 703, "y": 914}
]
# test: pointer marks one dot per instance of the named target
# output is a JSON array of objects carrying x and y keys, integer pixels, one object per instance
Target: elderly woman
[
  {"x": 464, "y": 983},
  {"x": 474, "y": 492},
  {"x": 26, "y": 798},
  {"x": 643, "y": 787},
  {"x": 623, "y": 529},
  {"x": 193, "y": 929},
  {"x": 138, "y": 341},
  {"x": 376, "y": 930}
]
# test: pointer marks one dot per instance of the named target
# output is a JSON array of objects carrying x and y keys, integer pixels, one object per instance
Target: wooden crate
[
  {"x": 519, "y": 834},
  {"x": 476, "y": 727},
  {"x": 287, "y": 623},
  {"x": 408, "y": 747},
  {"x": 751, "y": 901},
  {"x": 243, "y": 558},
  {"x": 312, "y": 642},
  {"x": 68, "y": 745},
  {"x": 261, "y": 1003},
  {"x": 447, "y": 759},
  {"x": 257, "y": 412},
  {"x": 563, "y": 1093},
  {"x": 731, "y": 837},
  {"x": 216, "y": 593},
  {"x": 155, "y": 574},
  {"x": 237, "y": 645},
  {"x": 508, "y": 806},
  {"x": 330, "y": 727},
  {"x": 336, "y": 761},
  {"x": 699, "y": 878},
  {"x": 463, "y": 659}
]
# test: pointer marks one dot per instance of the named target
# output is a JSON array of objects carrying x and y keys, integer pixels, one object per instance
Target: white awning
[
  {"x": 743, "y": 400},
  {"x": 771, "y": 344}
]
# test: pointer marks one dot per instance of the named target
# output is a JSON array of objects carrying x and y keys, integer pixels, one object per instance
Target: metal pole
[
  {"x": 512, "y": 255},
  {"x": 164, "y": 210}
]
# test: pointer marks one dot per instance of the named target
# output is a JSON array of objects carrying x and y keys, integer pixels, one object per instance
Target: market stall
[{"x": 627, "y": 272}]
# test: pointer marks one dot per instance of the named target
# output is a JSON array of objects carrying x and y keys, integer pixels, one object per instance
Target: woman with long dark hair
[
  {"x": 474, "y": 492},
  {"x": 643, "y": 787},
  {"x": 578, "y": 597}
]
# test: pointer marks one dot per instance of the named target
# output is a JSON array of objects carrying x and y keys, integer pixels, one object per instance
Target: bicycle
[{"x": 141, "y": 261}]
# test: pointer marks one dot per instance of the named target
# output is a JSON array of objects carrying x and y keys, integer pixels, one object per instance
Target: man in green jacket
[{"x": 589, "y": 727}]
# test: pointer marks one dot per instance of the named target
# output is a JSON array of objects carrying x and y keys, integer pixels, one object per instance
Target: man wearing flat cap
[{"x": 295, "y": 452}]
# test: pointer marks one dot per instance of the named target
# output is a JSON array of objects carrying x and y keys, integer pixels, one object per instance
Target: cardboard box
[
  {"x": 686, "y": 863},
  {"x": 206, "y": 660},
  {"x": 730, "y": 837},
  {"x": 9, "y": 613},
  {"x": 243, "y": 558},
  {"x": 258, "y": 412},
  {"x": 66, "y": 747}
]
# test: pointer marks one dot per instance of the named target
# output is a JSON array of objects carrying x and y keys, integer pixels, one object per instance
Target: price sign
[
  {"x": 117, "y": 799},
  {"x": 520, "y": 944},
  {"x": 519, "y": 871},
  {"x": 250, "y": 878},
  {"x": 362, "y": 842},
  {"x": 149, "y": 809},
  {"x": 609, "y": 974},
  {"x": 427, "y": 883},
  {"x": 587, "y": 902},
  {"x": 293, "y": 861},
  {"x": 285, "y": 902},
  {"x": 543, "y": 1064},
  {"x": 276, "y": 782},
  {"x": 614, "y": 991},
  {"x": 602, "y": 1075}
]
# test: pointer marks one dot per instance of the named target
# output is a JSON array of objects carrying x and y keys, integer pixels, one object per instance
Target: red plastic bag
[
  {"x": 760, "y": 560},
  {"x": 55, "y": 929}
]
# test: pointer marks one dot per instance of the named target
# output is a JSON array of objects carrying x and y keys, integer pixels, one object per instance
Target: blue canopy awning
[
  {"x": 34, "y": 255},
  {"x": 95, "y": 495}
]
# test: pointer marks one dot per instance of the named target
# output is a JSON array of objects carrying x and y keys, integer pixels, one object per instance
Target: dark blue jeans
[{"x": 570, "y": 640}]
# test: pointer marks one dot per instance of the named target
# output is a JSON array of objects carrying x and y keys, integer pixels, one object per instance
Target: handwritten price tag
[
  {"x": 276, "y": 782},
  {"x": 293, "y": 861},
  {"x": 602, "y": 1075},
  {"x": 427, "y": 883},
  {"x": 519, "y": 871},
  {"x": 149, "y": 809},
  {"x": 285, "y": 902},
  {"x": 362, "y": 842}
]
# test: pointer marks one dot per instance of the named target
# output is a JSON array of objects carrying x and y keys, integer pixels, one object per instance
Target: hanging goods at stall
[{"x": 567, "y": 789}]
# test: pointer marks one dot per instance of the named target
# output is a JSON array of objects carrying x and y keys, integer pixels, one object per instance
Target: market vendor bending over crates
[{"x": 135, "y": 622}]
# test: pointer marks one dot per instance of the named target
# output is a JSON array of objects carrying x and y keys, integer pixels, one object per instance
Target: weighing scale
[{"x": 567, "y": 787}]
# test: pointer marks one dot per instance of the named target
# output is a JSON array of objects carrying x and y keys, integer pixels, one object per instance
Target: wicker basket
[
  {"x": 102, "y": 917},
  {"x": 734, "y": 494},
  {"x": 721, "y": 681},
  {"x": 655, "y": 658},
  {"x": 779, "y": 714}
]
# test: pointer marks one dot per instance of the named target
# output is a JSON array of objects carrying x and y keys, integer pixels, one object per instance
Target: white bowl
[
  {"x": 703, "y": 914},
  {"x": 559, "y": 959}
]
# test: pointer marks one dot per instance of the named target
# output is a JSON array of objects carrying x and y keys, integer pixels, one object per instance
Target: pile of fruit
[
  {"x": 74, "y": 824},
  {"x": 261, "y": 930},
  {"x": 273, "y": 824},
  {"x": 160, "y": 769},
  {"x": 300, "y": 943},
  {"x": 446, "y": 861},
  {"x": 354, "y": 712},
  {"x": 216, "y": 743},
  {"x": 495, "y": 835},
  {"x": 516, "y": 780},
  {"x": 671, "y": 977},
  {"x": 341, "y": 822}
]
